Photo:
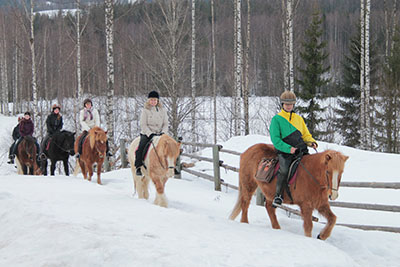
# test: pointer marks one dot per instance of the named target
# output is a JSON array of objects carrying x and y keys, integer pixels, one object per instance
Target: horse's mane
[
  {"x": 169, "y": 143},
  {"x": 96, "y": 134}
]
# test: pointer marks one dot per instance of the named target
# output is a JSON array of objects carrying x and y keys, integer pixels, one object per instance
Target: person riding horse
[
  {"x": 89, "y": 117},
  {"x": 15, "y": 135},
  {"x": 153, "y": 121},
  {"x": 290, "y": 136},
  {"x": 54, "y": 123},
  {"x": 26, "y": 128}
]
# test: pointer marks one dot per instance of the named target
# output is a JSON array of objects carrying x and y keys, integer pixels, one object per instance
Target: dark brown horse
[
  {"x": 26, "y": 156},
  {"x": 318, "y": 180},
  {"x": 93, "y": 150}
]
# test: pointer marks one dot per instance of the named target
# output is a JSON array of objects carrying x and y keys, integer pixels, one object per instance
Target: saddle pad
[{"x": 267, "y": 168}]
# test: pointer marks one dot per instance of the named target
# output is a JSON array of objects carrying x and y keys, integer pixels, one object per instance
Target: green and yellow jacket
[{"x": 288, "y": 130}]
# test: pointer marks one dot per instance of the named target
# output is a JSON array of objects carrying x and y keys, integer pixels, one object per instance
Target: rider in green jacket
[{"x": 290, "y": 136}]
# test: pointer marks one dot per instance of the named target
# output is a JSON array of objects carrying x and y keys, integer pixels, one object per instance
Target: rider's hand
[
  {"x": 314, "y": 145},
  {"x": 293, "y": 150}
]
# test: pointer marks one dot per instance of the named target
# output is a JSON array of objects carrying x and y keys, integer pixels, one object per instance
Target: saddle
[
  {"x": 268, "y": 168},
  {"x": 146, "y": 149}
]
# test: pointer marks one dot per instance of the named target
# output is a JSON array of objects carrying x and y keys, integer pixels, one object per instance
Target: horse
[
  {"x": 93, "y": 150},
  {"x": 26, "y": 156},
  {"x": 318, "y": 179},
  {"x": 60, "y": 147},
  {"x": 160, "y": 164}
]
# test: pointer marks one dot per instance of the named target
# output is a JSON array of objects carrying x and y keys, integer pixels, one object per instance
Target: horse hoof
[{"x": 319, "y": 237}]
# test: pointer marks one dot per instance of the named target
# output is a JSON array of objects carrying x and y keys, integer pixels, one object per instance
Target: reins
[
  {"x": 314, "y": 179},
  {"x": 159, "y": 159}
]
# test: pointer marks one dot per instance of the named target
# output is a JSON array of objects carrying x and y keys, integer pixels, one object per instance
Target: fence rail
[{"x": 217, "y": 164}]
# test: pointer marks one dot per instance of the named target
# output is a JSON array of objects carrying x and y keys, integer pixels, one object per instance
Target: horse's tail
[{"x": 238, "y": 206}]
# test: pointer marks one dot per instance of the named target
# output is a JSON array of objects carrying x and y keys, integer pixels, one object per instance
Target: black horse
[{"x": 61, "y": 146}]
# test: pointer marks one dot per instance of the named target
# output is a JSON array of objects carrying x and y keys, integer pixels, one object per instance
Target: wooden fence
[{"x": 216, "y": 178}]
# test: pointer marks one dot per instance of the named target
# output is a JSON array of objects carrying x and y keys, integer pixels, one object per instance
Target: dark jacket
[
  {"x": 26, "y": 127},
  {"x": 54, "y": 123},
  {"x": 15, "y": 134}
]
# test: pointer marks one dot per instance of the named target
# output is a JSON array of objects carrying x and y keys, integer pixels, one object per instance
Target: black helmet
[
  {"x": 27, "y": 113},
  {"x": 87, "y": 100},
  {"x": 154, "y": 94}
]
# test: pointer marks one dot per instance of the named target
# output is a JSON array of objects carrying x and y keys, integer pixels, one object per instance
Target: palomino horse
[
  {"x": 318, "y": 179},
  {"x": 26, "y": 156},
  {"x": 61, "y": 146},
  {"x": 93, "y": 150},
  {"x": 160, "y": 165}
]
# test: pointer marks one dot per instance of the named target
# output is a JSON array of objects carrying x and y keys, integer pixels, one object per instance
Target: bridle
[
  {"x": 322, "y": 187},
  {"x": 159, "y": 159},
  {"x": 101, "y": 154}
]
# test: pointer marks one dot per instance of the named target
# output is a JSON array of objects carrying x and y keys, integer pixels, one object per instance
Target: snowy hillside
[{"x": 66, "y": 221}]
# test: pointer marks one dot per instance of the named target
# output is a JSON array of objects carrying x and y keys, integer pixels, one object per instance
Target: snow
[{"x": 67, "y": 221}]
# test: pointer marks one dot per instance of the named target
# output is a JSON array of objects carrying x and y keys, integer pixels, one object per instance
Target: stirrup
[{"x": 277, "y": 202}]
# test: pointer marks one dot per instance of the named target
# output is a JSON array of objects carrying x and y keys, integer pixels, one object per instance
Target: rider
[
  {"x": 54, "y": 123},
  {"x": 153, "y": 121},
  {"x": 290, "y": 137},
  {"x": 26, "y": 128},
  {"x": 15, "y": 135},
  {"x": 89, "y": 117}
]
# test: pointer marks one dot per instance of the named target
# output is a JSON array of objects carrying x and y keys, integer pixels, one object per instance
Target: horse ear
[
  {"x": 105, "y": 132},
  {"x": 345, "y": 158},
  {"x": 327, "y": 158}
]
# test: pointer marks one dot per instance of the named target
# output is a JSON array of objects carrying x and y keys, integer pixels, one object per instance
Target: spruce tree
[
  {"x": 313, "y": 75},
  {"x": 388, "y": 112}
]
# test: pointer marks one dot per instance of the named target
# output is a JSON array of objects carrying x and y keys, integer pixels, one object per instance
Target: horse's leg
[
  {"x": 31, "y": 171},
  {"x": 66, "y": 167},
  {"x": 83, "y": 169},
  {"x": 247, "y": 191},
  {"x": 53, "y": 167},
  {"x": 90, "y": 170},
  {"x": 44, "y": 167},
  {"x": 326, "y": 211},
  {"x": 160, "y": 200},
  {"x": 24, "y": 169},
  {"x": 99, "y": 164},
  {"x": 272, "y": 214},
  {"x": 306, "y": 213}
]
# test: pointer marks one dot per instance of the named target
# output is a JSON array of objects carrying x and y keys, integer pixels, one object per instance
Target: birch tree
[
  {"x": 214, "y": 70},
  {"x": 193, "y": 71},
  {"x": 287, "y": 37},
  {"x": 238, "y": 68},
  {"x": 246, "y": 83},
  {"x": 109, "y": 23},
  {"x": 3, "y": 69},
  {"x": 365, "y": 125}
]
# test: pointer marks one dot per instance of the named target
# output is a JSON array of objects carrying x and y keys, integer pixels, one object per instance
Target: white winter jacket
[
  {"x": 153, "y": 119},
  {"x": 88, "y": 124}
]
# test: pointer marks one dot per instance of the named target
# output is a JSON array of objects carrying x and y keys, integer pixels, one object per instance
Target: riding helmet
[
  {"x": 288, "y": 97},
  {"x": 154, "y": 94},
  {"x": 87, "y": 100},
  {"x": 27, "y": 113}
]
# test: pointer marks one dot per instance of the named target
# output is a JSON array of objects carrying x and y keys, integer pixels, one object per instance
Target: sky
[{"x": 68, "y": 221}]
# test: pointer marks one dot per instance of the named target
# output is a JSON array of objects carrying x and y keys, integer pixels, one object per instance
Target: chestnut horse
[
  {"x": 318, "y": 180},
  {"x": 160, "y": 165},
  {"x": 93, "y": 150},
  {"x": 26, "y": 156}
]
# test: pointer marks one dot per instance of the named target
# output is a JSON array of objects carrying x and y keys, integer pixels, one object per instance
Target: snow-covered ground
[{"x": 67, "y": 221}]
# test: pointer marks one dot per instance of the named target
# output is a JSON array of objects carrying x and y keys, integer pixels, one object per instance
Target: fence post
[
  {"x": 123, "y": 153},
  {"x": 106, "y": 165},
  {"x": 216, "y": 163},
  {"x": 260, "y": 199}
]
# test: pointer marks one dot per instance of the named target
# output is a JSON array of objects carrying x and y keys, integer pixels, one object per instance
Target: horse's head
[
  {"x": 66, "y": 140},
  {"x": 98, "y": 141},
  {"x": 334, "y": 162},
  {"x": 169, "y": 151}
]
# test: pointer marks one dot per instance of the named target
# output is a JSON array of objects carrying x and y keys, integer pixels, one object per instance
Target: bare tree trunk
[
  {"x": 367, "y": 77},
  {"x": 214, "y": 70},
  {"x": 238, "y": 89},
  {"x": 79, "y": 93},
  {"x": 32, "y": 48},
  {"x": 4, "y": 75},
  {"x": 362, "y": 79},
  {"x": 193, "y": 71},
  {"x": 285, "y": 47},
  {"x": 394, "y": 24},
  {"x": 246, "y": 84},
  {"x": 109, "y": 23},
  {"x": 15, "y": 74},
  {"x": 387, "y": 30},
  {"x": 290, "y": 39}
]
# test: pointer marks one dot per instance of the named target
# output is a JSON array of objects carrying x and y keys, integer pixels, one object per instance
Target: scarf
[{"x": 87, "y": 113}]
